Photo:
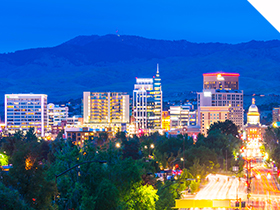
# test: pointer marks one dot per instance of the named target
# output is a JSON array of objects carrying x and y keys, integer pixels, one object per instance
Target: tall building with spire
[
  {"x": 157, "y": 100},
  {"x": 147, "y": 103}
]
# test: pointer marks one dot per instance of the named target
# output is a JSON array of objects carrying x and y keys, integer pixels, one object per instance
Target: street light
[
  {"x": 152, "y": 146},
  {"x": 78, "y": 165},
  {"x": 118, "y": 145},
  {"x": 268, "y": 176},
  {"x": 97, "y": 161}
]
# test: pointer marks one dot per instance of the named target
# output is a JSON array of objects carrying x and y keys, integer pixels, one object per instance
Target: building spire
[
  {"x": 157, "y": 68},
  {"x": 157, "y": 75},
  {"x": 253, "y": 100}
]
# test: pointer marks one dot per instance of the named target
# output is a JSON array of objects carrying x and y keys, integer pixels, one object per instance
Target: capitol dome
[
  {"x": 253, "y": 115},
  {"x": 253, "y": 108}
]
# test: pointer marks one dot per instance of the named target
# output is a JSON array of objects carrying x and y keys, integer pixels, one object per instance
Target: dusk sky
[{"x": 46, "y": 23}]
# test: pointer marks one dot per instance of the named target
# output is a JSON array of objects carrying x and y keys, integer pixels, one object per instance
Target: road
[
  {"x": 264, "y": 190},
  {"x": 222, "y": 187},
  {"x": 265, "y": 195}
]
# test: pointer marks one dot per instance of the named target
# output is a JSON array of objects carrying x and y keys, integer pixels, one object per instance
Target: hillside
[{"x": 111, "y": 63}]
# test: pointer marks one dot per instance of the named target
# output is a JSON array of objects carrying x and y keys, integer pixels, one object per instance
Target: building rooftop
[{"x": 222, "y": 74}]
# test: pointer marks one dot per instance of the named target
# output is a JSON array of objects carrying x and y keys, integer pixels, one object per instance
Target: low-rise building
[
  {"x": 209, "y": 115},
  {"x": 165, "y": 120},
  {"x": 276, "y": 116},
  {"x": 56, "y": 114},
  {"x": 79, "y": 135},
  {"x": 182, "y": 115}
]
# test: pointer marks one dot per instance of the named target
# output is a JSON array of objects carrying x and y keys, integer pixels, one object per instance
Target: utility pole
[{"x": 184, "y": 138}]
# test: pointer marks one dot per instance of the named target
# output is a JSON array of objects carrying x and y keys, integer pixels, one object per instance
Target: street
[{"x": 264, "y": 190}]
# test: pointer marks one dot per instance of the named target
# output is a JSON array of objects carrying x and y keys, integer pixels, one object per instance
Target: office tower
[
  {"x": 221, "y": 89},
  {"x": 233, "y": 99},
  {"x": 56, "y": 114},
  {"x": 25, "y": 111},
  {"x": 143, "y": 103},
  {"x": 226, "y": 81},
  {"x": 147, "y": 103},
  {"x": 105, "y": 109},
  {"x": 157, "y": 100}
]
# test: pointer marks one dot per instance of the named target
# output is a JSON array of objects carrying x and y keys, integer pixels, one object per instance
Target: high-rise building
[
  {"x": 56, "y": 114},
  {"x": 222, "y": 89},
  {"x": 25, "y": 111},
  {"x": 226, "y": 81},
  {"x": 157, "y": 100},
  {"x": 143, "y": 103},
  {"x": 233, "y": 99},
  {"x": 106, "y": 109},
  {"x": 147, "y": 102}
]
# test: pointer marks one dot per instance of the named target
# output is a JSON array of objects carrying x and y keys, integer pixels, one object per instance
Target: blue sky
[{"x": 45, "y": 23}]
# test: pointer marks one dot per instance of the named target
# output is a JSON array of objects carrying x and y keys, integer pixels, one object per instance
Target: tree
[
  {"x": 3, "y": 159},
  {"x": 131, "y": 148},
  {"x": 141, "y": 197},
  {"x": 28, "y": 176},
  {"x": 10, "y": 199},
  {"x": 227, "y": 127}
]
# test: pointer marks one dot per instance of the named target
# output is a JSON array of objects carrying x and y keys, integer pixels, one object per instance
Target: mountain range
[{"x": 111, "y": 63}]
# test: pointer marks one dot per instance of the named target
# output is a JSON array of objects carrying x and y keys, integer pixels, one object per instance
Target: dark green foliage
[
  {"x": 272, "y": 144},
  {"x": 10, "y": 199},
  {"x": 126, "y": 181},
  {"x": 28, "y": 176},
  {"x": 131, "y": 148},
  {"x": 227, "y": 127}
]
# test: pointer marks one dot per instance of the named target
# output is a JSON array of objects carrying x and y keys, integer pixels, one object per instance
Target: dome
[
  {"x": 253, "y": 115},
  {"x": 253, "y": 108}
]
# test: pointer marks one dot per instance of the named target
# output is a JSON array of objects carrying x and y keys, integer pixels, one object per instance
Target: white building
[
  {"x": 182, "y": 115},
  {"x": 75, "y": 121},
  {"x": 143, "y": 103},
  {"x": 147, "y": 103},
  {"x": 56, "y": 114},
  {"x": 23, "y": 111}
]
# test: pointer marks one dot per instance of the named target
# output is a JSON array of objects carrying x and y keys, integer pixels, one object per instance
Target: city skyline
[{"x": 139, "y": 104}]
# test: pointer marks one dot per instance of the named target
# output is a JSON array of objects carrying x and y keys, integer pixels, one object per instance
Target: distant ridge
[{"x": 111, "y": 63}]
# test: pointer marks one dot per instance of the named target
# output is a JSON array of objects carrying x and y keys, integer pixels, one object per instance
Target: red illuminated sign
[{"x": 222, "y": 74}]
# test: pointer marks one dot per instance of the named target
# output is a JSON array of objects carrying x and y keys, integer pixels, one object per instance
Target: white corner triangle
[{"x": 269, "y": 9}]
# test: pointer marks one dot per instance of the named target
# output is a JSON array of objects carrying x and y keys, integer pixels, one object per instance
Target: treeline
[
  {"x": 271, "y": 144},
  {"x": 116, "y": 173}
]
